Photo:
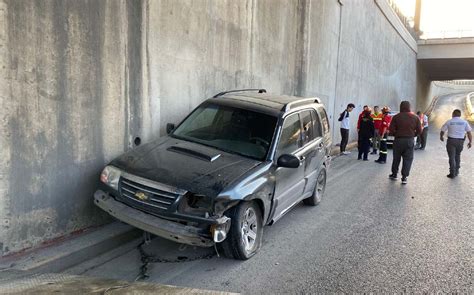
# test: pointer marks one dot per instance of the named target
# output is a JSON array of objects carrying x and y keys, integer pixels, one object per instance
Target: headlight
[
  {"x": 196, "y": 205},
  {"x": 110, "y": 176}
]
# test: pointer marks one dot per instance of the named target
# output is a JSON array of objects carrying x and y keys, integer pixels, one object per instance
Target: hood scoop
[{"x": 193, "y": 153}]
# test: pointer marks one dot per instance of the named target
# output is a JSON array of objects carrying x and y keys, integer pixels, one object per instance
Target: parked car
[
  {"x": 390, "y": 137},
  {"x": 239, "y": 161}
]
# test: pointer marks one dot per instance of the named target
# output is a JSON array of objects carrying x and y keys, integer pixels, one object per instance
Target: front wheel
[
  {"x": 319, "y": 189},
  {"x": 245, "y": 234}
]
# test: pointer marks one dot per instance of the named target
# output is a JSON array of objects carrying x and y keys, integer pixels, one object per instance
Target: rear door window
[
  {"x": 308, "y": 128},
  {"x": 316, "y": 125},
  {"x": 324, "y": 119}
]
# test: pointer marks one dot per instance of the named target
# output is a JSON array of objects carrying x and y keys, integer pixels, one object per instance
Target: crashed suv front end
[{"x": 180, "y": 216}]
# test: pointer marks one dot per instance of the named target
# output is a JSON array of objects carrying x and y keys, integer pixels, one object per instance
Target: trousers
[
  {"x": 364, "y": 147},
  {"x": 403, "y": 148},
  {"x": 454, "y": 148},
  {"x": 376, "y": 141},
  {"x": 383, "y": 149},
  {"x": 344, "y": 139}
]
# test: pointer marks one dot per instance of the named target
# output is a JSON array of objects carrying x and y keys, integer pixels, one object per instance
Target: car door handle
[{"x": 302, "y": 158}]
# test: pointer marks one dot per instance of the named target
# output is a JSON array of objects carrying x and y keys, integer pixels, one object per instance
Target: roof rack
[
  {"x": 261, "y": 90},
  {"x": 300, "y": 102}
]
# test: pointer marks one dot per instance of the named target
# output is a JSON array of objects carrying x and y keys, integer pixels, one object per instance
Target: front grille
[{"x": 156, "y": 197}]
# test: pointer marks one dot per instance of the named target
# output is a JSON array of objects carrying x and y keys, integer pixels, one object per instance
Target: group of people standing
[
  {"x": 372, "y": 128},
  {"x": 405, "y": 127}
]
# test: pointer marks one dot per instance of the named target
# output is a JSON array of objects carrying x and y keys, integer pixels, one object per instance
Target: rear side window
[
  {"x": 316, "y": 125},
  {"x": 290, "y": 138},
  {"x": 324, "y": 119},
  {"x": 308, "y": 132}
]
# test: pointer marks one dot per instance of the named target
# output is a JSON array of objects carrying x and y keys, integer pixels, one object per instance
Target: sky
[{"x": 442, "y": 18}]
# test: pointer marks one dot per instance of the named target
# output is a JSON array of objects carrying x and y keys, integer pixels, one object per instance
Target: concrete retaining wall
[{"x": 80, "y": 80}]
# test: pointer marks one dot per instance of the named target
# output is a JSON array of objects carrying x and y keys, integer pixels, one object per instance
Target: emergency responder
[
  {"x": 377, "y": 118},
  {"x": 366, "y": 131},
  {"x": 383, "y": 132},
  {"x": 404, "y": 127},
  {"x": 457, "y": 129}
]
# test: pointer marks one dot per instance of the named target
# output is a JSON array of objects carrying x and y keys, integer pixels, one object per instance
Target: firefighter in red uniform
[
  {"x": 383, "y": 132},
  {"x": 377, "y": 117}
]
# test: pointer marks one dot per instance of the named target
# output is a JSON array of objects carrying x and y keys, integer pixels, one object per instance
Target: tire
[
  {"x": 319, "y": 189},
  {"x": 246, "y": 222}
]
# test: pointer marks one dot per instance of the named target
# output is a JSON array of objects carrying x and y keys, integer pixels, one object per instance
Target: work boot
[
  {"x": 380, "y": 161},
  {"x": 450, "y": 175}
]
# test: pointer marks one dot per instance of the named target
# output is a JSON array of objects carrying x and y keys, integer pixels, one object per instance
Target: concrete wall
[
  {"x": 71, "y": 100},
  {"x": 341, "y": 53},
  {"x": 81, "y": 79}
]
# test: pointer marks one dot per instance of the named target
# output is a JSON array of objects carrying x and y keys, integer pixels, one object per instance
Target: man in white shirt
[
  {"x": 423, "y": 137},
  {"x": 345, "y": 126},
  {"x": 457, "y": 129}
]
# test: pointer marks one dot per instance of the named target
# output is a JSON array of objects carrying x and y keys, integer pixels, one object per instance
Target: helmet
[{"x": 385, "y": 109}]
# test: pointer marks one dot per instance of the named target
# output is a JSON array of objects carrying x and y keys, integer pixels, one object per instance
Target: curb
[
  {"x": 335, "y": 151},
  {"x": 68, "y": 253},
  {"x": 17, "y": 282}
]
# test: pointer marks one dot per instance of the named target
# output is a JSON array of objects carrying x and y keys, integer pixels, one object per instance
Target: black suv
[{"x": 239, "y": 161}]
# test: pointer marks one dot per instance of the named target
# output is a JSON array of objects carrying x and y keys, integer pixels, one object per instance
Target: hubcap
[{"x": 249, "y": 229}]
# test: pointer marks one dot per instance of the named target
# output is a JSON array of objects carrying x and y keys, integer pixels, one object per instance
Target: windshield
[{"x": 230, "y": 129}]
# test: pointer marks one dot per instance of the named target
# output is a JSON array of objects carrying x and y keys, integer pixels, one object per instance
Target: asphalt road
[{"x": 369, "y": 234}]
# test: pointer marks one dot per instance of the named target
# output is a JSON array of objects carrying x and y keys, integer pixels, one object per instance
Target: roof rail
[
  {"x": 261, "y": 90},
  {"x": 300, "y": 102}
]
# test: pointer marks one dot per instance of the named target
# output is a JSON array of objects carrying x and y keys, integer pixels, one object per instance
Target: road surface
[{"x": 369, "y": 234}]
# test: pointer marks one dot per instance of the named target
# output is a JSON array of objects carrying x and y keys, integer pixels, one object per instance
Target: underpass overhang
[{"x": 447, "y": 59}]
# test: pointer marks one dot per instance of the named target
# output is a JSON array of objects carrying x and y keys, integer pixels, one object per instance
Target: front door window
[{"x": 290, "y": 139}]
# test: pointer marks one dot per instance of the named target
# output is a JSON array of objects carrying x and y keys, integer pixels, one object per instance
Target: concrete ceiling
[
  {"x": 448, "y": 68},
  {"x": 447, "y": 59}
]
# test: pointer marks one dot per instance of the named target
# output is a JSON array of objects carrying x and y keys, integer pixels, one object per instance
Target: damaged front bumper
[{"x": 174, "y": 231}]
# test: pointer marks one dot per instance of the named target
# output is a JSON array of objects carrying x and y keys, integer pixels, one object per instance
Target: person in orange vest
[
  {"x": 383, "y": 132},
  {"x": 377, "y": 118}
]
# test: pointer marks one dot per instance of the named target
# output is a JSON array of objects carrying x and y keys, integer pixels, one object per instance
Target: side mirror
[
  {"x": 288, "y": 161},
  {"x": 169, "y": 128}
]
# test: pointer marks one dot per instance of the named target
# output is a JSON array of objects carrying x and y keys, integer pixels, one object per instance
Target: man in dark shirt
[{"x": 405, "y": 126}]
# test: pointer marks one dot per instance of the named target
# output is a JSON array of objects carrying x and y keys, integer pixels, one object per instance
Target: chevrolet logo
[{"x": 141, "y": 196}]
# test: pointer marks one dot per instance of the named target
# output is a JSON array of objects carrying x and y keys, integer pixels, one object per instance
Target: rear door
[
  {"x": 313, "y": 149},
  {"x": 289, "y": 182}
]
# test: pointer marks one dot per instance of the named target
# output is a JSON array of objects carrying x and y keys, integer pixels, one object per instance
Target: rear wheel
[
  {"x": 319, "y": 189},
  {"x": 246, "y": 230}
]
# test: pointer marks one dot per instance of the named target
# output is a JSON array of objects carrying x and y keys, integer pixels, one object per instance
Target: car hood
[{"x": 185, "y": 165}]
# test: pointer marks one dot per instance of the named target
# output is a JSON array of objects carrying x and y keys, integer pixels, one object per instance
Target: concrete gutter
[
  {"x": 17, "y": 282},
  {"x": 469, "y": 107},
  {"x": 70, "y": 252}
]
